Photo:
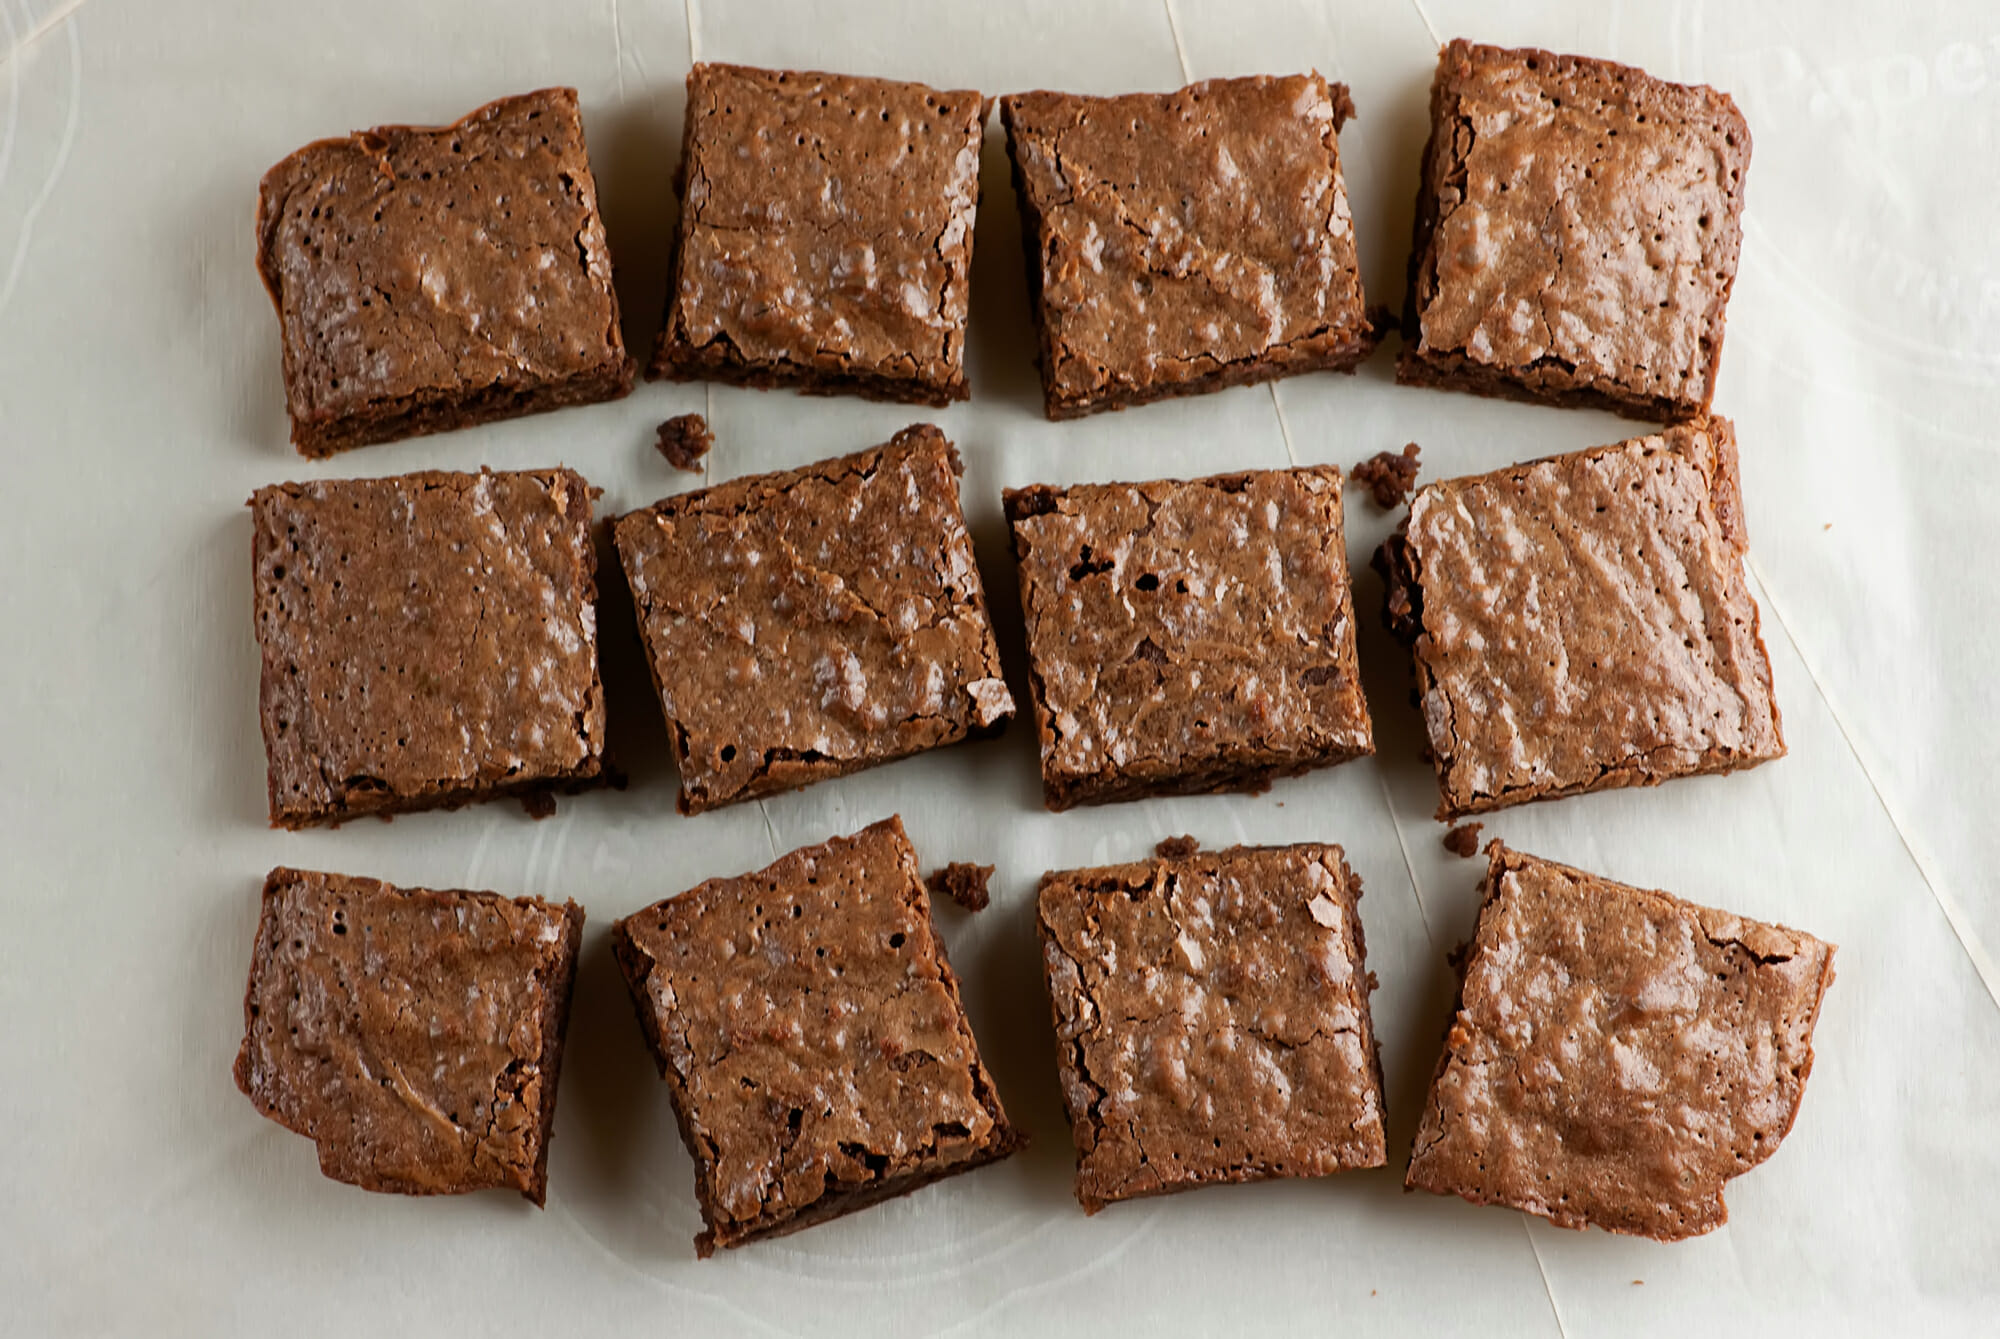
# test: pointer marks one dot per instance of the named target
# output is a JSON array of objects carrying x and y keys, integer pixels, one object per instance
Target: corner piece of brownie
[
  {"x": 432, "y": 277},
  {"x": 1617, "y": 1055},
  {"x": 415, "y": 1036},
  {"x": 1212, "y": 1021},
  {"x": 825, "y": 235},
  {"x": 1188, "y": 636},
  {"x": 427, "y": 640},
  {"x": 1582, "y": 622},
  {"x": 1576, "y": 236},
  {"x": 1183, "y": 242},
  {"x": 809, "y": 623},
  {"x": 809, "y": 1028}
]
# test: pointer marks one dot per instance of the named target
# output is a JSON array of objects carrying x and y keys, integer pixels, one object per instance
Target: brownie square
[
  {"x": 1576, "y": 234},
  {"x": 1617, "y": 1055},
  {"x": 427, "y": 640},
  {"x": 431, "y": 277},
  {"x": 414, "y": 1036},
  {"x": 1582, "y": 622},
  {"x": 1183, "y": 242},
  {"x": 825, "y": 236},
  {"x": 807, "y": 624},
  {"x": 809, "y": 1029},
  {"x": 1212, "y": 1023},
  {"x": 1188, "y": 636}
]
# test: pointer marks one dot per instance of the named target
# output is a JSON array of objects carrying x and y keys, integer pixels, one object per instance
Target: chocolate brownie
[
  {"x": 963, "y": 883},
  {"x": 427, "y": 640},
  {"x": 1182, "y": 242},
  {"x": 414, "y": 1036},
  {"x": 1577, "y": 229},
  {"x": 685, "y": 442},
  {"x": 1617, "y": 1055},
  {"x": 807, "y": 624},
  {"x": 431, "y": 277},
  {"x": 1188, "y": 636},
  {"x": 809, "y": 1029},
  {"x": 826, "y": 235},
  {"x": 1582, "y": 622},
  {"x": 1212, "y": 1022}
]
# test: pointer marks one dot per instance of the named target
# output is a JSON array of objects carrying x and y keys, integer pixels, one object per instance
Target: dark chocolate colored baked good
[
  {"x": 431, "y": 277},
  {"x": 809, "y": 1029},
  {"x": 1577, "y": 229},
  {"x": 1617, "y": 1054},
  {"x": 414, "y": 1036}
]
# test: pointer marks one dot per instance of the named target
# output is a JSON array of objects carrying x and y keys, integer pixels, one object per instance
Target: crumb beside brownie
[
  {"x": 1188, "y": 636},
  {"x": 809, "y": 623},
  {"x": 1576, "y": 237},
  {"x": 415, "y": 1036},
  {"x": 1463, "y": 840},
  {"x": 1212, "y": 1020},
  {"x": 963, "y": 883},
  {"x": 1388, "y": 476},
  {"x": 426, "y": 640},
  {"x": 1582, "y": 622},
  {"x": 685, "y": 441},
  {"x": 809, "y": 1028},
  {"x": 432, "y": 277},
  {"x": 1183, "y": 242},
  {"x": 1617, "y": 1055},
  {"x": 826, "y": 234}
]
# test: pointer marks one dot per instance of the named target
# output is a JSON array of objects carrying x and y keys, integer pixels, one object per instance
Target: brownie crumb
[
  {"x": 684, "y": 440},
  {"x": 1176, "y": 848},
  {"x": 540, "y": 804},
  {"x": 1463, "y": 840},
  {"x": 963, "y": 883},
  {"x": 1387, "y": 476}
]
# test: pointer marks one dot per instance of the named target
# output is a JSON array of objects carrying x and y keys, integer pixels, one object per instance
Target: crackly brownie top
[
  {"x": 809, "y": 1018},
  {"x": 827, "y": 221},
  {"x": 427, "y": 633},
  {"x": 827, "y": 615},
  {"x": 1173, "y": 622},
  {"x": 1184, "y": 231},
  {"x": 412, "y": 261},
  {"x": 1588, "y": 611},
  {"x": 1618, "y": 1054},
  {"x": 1213, "y": 1010},
  {"x": 402, "y": 1030},
  {"x": 1587, "y": 216}
]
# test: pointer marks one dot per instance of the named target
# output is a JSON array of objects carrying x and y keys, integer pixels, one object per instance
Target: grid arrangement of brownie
[{"x": 1575, "y": 623}]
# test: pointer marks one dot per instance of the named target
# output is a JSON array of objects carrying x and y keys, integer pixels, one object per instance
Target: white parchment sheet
[{"x": 140, "y": 404}]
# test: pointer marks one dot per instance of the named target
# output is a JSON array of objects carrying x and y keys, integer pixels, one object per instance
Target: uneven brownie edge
[
  {"x": 1345, "y": 355},
  {"x": 637, "y": 965},
  {"x": 1175, "y": 856},
  {"x": 557, "y": 973},
  {"x": 1710, "y": 445},
  {"x": 1502, "y": 860},
  {"x": 438, "y": 409},
  {"x": 786, "y": 768},
  {"x": 675, "y": 358},
  {"x": 1450, "y": 370},
  {"x": 1109, "y": 785},
  {"x": 356, "y": 802}
]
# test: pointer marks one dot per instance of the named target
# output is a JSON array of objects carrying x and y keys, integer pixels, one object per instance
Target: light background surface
[{"x": 140, "y": 404}]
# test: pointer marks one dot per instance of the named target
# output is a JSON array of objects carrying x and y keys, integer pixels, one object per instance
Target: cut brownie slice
[
  {"x": 1212, "y": 1021},
  {"x": 414, "y": 1036},
  {"x": 810, "y": 1032},
  {"x": 807, "y": 624},
  {"x": 1182, "y": 242},
  {"x": 427, "y": 640},
  {"x": 1577, "y": 229},
  {"x": 428, "y": 278},
  {"x": 1582, "y": 622},
  {"x": 1617, "y": 1054},
  {"x": 1188, "y": 637},
  {"x": 825, "y": 236}
]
